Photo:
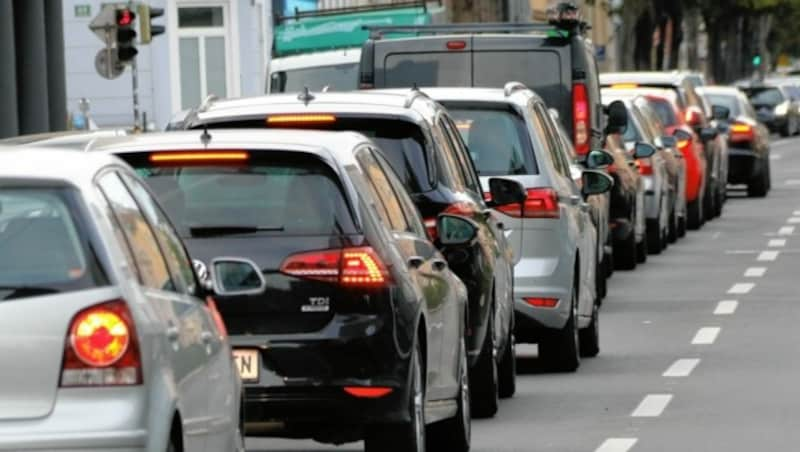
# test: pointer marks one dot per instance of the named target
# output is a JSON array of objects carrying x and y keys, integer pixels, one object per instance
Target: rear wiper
[
  {"x": 25, "y": 291},
  {"x": 210, "y": 231}
]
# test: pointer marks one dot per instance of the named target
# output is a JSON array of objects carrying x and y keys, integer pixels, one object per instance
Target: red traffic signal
[
  {"x": 125, "y": 17},
  {"x": 126, "y": 34}
]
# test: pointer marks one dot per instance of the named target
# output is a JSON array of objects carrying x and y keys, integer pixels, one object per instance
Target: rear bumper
[
  {"x": 743, "y": 165},
  {"x": 541, "y": 278},
  {"x": 108, "y": 419}
]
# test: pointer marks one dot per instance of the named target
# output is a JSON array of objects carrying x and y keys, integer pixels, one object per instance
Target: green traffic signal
[{"x": 757, "y": 60}]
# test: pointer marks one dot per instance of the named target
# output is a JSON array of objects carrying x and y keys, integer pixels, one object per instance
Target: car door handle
[
  {"x": 207, "y": 337},
  {"x": 487, "y": 213},
  {"x": 439, "y": 264},
  {"x": 415, "y": 261},
  {"x": 173, "y": 333},
  {"x": 585, "y": 206}
]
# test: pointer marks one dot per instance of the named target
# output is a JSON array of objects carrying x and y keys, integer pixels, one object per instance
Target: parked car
[
  {"x": 362, "y": 316},
  {"x": 696, "y": 114},
  {"x": 121, "y": 343},
  {"x": 748, "y": 153},
  {"x": 510, "y": 133},
  {"x": 776, "y": 106},
  {"x": 421, "y": 142},
  {"x": 556, "y": 60}
]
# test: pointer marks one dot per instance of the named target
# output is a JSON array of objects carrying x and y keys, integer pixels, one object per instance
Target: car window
[
  {"x": 747, "y": 108},
  {"x": 411, "y": 212},
  {"x": 44, "y": 243},
  {"x": 273, "y": 194},
  {"x": 552, "y": 146},
  {"x": 148, "y": 256},
  {"x": 765, "y": 96},
  {"x": 448, "y": 158},
  {"x": 727, "y": 101},
  {"x": 665, "y": 112},
  {"x": 403, "y": 70},
  {"x": 497, "y": 139},
  {"x": 461, "y": 155},
  {"x": 178, "y": 261},
  {"x": 382, "y": 192},
  {"x": 340, "y": 77}
]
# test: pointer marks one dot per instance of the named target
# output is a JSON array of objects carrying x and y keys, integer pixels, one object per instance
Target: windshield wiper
[
  {"x": 25, "y": 291},
  {"x": 211, "y": 231}
]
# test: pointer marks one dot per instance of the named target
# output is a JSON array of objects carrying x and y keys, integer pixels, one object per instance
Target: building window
[{"x": 202, "y": 48}]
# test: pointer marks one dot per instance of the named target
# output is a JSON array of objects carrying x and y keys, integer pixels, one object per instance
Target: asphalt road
[{"x": 699, "y": 348}]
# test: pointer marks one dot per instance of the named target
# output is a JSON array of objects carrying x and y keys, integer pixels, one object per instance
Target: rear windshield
[
  {"x": 403, "y": 70},
  {"x": 729, "y": 102},
  {"x": 402, "y": 143},
  {"x": 342, "y": 77},
  {"x": 665, "y": 112},
  {"x": 44, "y": 248},
  {"x": 497, "y": 139},
  {"x": 280, "y": 195},
  {"x": 765, "y": 96}
]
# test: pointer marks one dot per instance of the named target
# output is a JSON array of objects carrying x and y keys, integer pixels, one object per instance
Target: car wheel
[
  {"x": 625, "y": 253},
  {"x": 608, "y": 261},
  {"x": 653, "y": 237},
  {"x": 786, "y": 129},
  {"x": 672, "y": 231},
  {"x": 405, "y": 436},
  {"x": 601, "y": 281},
  {"x": 757, "y": 188},
  {"x": 681, "y": 227},
  {"x": 560, "y": 350},
  {"x": 455, "y": 434},
  {"x": 590, "y": 336},
  {"x": 694, "y": 213},
  {"x": 507, "y": 369},
  {"x": 709, "y": 203},
  {"x": 483, "y": 375},
  {"x": 641, "y": 249}
]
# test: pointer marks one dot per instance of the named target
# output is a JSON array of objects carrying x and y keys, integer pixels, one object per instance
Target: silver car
[
  {"x": 105, "y": 342},
  {"x": 510, "y": 133}
]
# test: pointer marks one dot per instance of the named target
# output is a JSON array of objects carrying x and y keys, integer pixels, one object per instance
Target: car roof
[
  {"x": 645, "y": 91},
  {"x": 513, "y": 94},
  {"x": 316, "y": 59},
  {"x": 24, "y": 162},
  {"x": 71, "y": 138},
  {"x": 335, "y": 146},
  {"x": 724, "y": 90},
  {"x": 408, "y": 103},
  {"x": 673, "y": 78}
]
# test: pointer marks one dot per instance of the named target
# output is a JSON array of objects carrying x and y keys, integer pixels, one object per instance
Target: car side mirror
[
  {"x": 617, "y": 117},
  {"x": 682, "y": 135},
  {"x": 669, "y": 141},
  {"x": 233, "y": 276},
  {"x": 599, "y": 159},
  {"x": 708, "y": 133},
  {"x": 506, "y": 191},
  {"x": 694, "y": 116},
  {"x": 720, "y": 113},
  {"x": 456, "y": 230},
  {"x": 596, "y": 182},
  {"x": 643, "y": 150}
]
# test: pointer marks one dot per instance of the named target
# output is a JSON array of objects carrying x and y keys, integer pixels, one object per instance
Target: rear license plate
[{"x": 247, "y": 362}]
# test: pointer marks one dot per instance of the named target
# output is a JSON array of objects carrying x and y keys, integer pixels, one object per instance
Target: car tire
[
  {"x": 641, "y": 249},
  {"x": 404, "y": 436},
  {"x": 590, "y": 336},
  {"x": 758, "y": 187},
  {"x": 786, "y": 129},
  {"x": 560, "y": 349},
  {"x": 455, "y": 434},
  {"x": 709, "y": 203},
  {"x": 654, "y": 240},
  {"x": 507, "y": 369},
  {"x": 601, "y": 281},
  {"x": 672, "y": 228},
  {"x": 694, "y": 213},
  {"x": 609, "y": 264},
  {"x": 681, "y": 227},
  {"x": 625, "y": 253},
  {"x": 484, "y": 377}
]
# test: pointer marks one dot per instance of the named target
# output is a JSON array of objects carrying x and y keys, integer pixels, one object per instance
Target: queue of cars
[{"x": 376, "y": 254}]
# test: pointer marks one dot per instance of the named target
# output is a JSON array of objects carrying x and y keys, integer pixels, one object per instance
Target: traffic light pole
[{"x": 135, "y": 79}]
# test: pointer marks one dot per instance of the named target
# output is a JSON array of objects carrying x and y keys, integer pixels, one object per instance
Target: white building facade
[{"x": 215, "y": 47}]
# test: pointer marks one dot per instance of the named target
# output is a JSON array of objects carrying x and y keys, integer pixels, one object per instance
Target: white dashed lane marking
[
  {"x": 755, "y": 272},
  {"x": 681, "y": 368},
  {"x": 726, "y": 307},
  {"x": 786, "y": 230},
  {"x": 777, "y": 243},
  {"x": 741, "y": 288},
  {"x": 706, "y": 336},
  {"x": 652, "y": 405},
  {"x": 617, "y": 445},
  {"x": 768, "y": 256},
  {"x": 793, "y": 220}
]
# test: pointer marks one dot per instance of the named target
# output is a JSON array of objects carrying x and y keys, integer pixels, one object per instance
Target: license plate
[{"x": 247, "y": 362}]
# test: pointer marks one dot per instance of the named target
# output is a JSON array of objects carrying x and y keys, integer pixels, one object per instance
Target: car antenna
[
  {"x": 205, "y": 138},
  {"x": 305, "y": 96}
]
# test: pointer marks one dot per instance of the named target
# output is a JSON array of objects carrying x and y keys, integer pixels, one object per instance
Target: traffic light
[
  {"x": 126, "y": 34},
  {"x": 146, "y": 26},
  {"x": 757, "y": 60}
]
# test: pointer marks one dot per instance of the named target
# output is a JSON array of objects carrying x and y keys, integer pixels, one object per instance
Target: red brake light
[
  {"x": 349, "y": 267},
  {"x": 741, "y": 132},
  {"x": 581, "y": 120},
  {"x": 541, "y": 302},
  {"x": 301, "y": 119},
  {"x": 101, "y": 348},
  {"x": 199, "y": 157},
  {"x": 364, "y": 392},
  {"x": 456, "y": 45},
  {"x": 645, "y": 167},
  {"x": 540, "y": 203}
]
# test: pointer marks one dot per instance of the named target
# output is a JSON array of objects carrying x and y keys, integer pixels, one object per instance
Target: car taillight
[
  {"x": 539, "y": 302},
  {"x": 645, "y": 167},
  {"x": 359, "y": 266},
  {"x": 102, "y": 348},
  {"x": 540, "y": 203},
  {"x": 368, "y": 392},
  {"x": 222, "y": 330},
  {"x": 458, "y": 208},
  {"x": 580, "y": 118},
  {"x": 741, "y": 133}
]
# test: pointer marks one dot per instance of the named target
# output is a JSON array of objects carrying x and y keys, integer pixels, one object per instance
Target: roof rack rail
[
  {"x": 206, "y": 104},
  {"x": 376, "y": 31},
  {"x": 413, "y": 95},
  {"x": 513, "y": 86},
  {"x": 279, "y": 18}
]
